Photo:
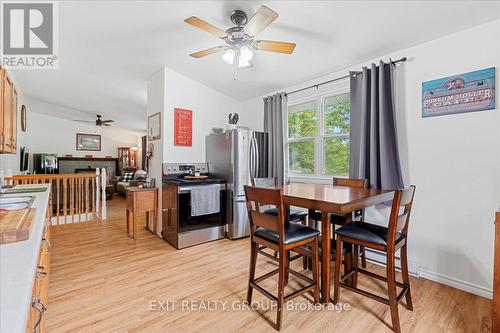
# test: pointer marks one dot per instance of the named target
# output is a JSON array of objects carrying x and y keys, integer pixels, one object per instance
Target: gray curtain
[
  {"x": 374, "y": 147},
  {"x": 274, "y": 110}
]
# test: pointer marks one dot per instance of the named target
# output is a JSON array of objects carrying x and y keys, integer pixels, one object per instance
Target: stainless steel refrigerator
[{"x": 237, "y": 156}]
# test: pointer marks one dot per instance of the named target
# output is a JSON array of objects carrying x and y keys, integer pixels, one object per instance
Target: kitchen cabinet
[
  {"x": 8, "y": 114},
  {"x": 25, "y": 269},
  {"x": 36, "y": 316},
  {"x": 2, "y": 120}
]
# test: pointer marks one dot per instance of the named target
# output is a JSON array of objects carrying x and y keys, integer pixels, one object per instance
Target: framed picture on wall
[
  {"x": 89, "y": 142},
  {"x": 461, "y": 93},
  {"x": 154, "y": 127},
  {"x": 183, "y": 127}
]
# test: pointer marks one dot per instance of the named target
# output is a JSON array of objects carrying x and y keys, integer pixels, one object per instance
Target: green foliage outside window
[
  {"x": 337, "y": 156},
  {"x": 301, "y": 156},
  {"x": 303, "y": 124},
  {"x": 302, "y": 120},
  {"x": 337, "y": 114}
]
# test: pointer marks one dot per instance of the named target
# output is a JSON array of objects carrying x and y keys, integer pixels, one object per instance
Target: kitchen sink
[{"x": 16, "y": 202}]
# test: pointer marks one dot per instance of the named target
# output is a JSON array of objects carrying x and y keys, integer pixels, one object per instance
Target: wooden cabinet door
[
  {"x": 13, "y": 132},
  {"x": 2, "y": 108},
  {"x": 7, "y": 114},
  {"x": 9, "y": 117}
]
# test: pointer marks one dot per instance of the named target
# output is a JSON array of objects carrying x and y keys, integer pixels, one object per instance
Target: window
[{"x": 318, "y": 135}]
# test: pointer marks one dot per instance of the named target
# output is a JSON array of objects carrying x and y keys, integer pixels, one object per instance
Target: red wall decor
[{"x": 183, "y": 127}]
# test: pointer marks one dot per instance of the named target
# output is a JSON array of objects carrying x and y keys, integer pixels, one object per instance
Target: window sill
[{"x": 311, "y": 179}]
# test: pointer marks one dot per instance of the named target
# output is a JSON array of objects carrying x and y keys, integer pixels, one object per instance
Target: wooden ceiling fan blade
[
  {"x": 206, "y": 52},
  {"x": 274, "y": 46},
  {"x": 104, "y": 124},
  {"x": 108, "y": 121},
  {"x": 84, "y": 121},
  {"x": 260, "y": 21},
  {"x": 200, "y": 24}
]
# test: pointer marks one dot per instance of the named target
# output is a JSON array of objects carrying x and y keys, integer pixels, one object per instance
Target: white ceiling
[{"x": 108, "y": 49}]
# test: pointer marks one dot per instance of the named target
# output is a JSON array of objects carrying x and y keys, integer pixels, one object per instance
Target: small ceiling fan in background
[
  {"x": 239, "y": 39},
  {"x": 98, "y": 121}
]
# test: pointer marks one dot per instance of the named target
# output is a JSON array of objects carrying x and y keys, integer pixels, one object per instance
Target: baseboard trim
[
  {"x": 457, "y": 283},
  {"x": 414, "y": 269}
]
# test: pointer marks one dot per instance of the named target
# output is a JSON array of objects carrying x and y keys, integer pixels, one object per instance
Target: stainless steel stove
[{"x": 180, "y": 228}]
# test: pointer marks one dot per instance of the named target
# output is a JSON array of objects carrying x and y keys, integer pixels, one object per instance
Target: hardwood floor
[{"x": 103, "y": 281}]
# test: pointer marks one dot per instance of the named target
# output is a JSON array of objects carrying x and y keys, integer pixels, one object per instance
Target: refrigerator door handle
[
  {"x": 257, "y": 159},
  {"x": 251, "y": 160}
]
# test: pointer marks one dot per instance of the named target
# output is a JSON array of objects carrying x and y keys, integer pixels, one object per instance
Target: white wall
[
  {"x": 156, "y": 104},
  {"x": 210, "y": 109},
  {"x": 453, "y": 160},
  {"x": 49, "y": 134}
]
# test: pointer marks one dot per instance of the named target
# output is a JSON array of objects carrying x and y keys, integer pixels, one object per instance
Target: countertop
[{"x": 18, "y": 268}]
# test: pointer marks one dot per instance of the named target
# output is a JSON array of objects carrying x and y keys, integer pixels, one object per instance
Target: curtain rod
[{"x": 338, "y": 79}]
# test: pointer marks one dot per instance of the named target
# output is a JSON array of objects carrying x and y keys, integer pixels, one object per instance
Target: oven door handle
[{"x": 188, "y": 189}]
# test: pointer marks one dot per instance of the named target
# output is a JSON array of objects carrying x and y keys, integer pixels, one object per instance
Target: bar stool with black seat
[
  {"x": 273, "y": 231},
  {"x": 315, "y": 216},
  {"x": 295, "y": 215},
  {"x": 388, "y": 240}
]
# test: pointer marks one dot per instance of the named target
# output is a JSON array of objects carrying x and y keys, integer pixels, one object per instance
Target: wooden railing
[{"x": 75, "y": 197}]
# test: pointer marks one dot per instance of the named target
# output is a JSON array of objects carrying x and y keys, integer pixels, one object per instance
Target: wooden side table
[{"x": 141, "y": 200}]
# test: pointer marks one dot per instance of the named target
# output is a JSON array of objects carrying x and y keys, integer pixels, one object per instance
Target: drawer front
[{"x": 145, "y": 201}]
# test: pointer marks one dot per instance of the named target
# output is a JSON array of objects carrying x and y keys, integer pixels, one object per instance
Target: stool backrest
[
  {"x": 257, "y": 196},
  {"x": 264, "y": 182},
  {"x": 351, "y": 182},
  {"x": 400, "y": 213}
]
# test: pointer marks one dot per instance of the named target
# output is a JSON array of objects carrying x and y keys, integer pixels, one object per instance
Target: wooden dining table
[{"x": 330, "y": 199}]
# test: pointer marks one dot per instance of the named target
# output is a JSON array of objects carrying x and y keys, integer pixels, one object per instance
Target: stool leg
[
  {"x": 363, "y": 257},
  {"x": 281, "y": 288},
  {"x": 315, "y": 269},
  {"x": 355, "y": 264},
  {"x": 251, "y": 275},
  {"x": 406, "y": 277},
  {"x": 304, "y": 258},
  {"x": 336, "y": 278},
  {"x": 391, "y": 286},
  {"x": 287, "y": 265},
  {"x": 348, "y": 264}
]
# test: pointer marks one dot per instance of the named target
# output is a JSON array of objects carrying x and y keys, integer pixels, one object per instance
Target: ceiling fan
[
  {"x": 98, "y": 121},
  {"x": 240, "y": 43}
]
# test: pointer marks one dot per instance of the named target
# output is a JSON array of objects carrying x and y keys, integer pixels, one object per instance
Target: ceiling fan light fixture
[
  {"x": 246, "y": 54},
  {"x": 228, "y": 56},
  {"x": 243, "y": 63}
]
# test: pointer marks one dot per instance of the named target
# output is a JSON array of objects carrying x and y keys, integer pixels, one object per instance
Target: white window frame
[{"x": 319, "y": 167}]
